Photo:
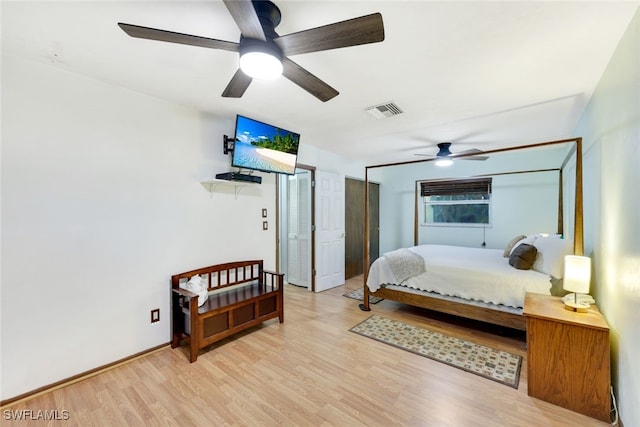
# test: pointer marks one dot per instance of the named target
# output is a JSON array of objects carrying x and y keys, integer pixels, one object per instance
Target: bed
[
  {"x": 476, "y": 283},
  {"x": 485, "y": 280}
]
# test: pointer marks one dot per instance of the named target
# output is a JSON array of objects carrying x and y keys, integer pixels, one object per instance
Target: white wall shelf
[{"x": 223, "y": 185}]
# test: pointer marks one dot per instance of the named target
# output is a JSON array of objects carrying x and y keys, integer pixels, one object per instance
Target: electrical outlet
[{"x": 155, "y": 315}]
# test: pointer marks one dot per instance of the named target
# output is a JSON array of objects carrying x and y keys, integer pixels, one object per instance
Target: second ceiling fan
[
  {"x": 259, "y": 41},
  {"x": 444, "y": 155}
]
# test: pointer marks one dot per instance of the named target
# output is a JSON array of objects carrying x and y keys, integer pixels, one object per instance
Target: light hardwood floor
[{"x": 308, "y": 371}]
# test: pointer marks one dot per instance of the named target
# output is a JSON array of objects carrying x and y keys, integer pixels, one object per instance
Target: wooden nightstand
[{"x": 568, "y": 356}]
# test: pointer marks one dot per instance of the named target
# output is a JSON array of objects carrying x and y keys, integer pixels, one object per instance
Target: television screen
[{"x": 264, "y": 147}]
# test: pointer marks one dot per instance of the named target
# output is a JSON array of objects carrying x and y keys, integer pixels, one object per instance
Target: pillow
[
  {"x": 528, "y": 240},
  {"x": 523, "y": 256},
  {"x": 511, "y": 244},
  {"x": 553, "y": 235},
  {"x": 551, "y": 252}
]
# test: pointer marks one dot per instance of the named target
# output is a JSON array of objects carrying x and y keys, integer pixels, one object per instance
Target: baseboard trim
[{"x": 80, "y": 377}]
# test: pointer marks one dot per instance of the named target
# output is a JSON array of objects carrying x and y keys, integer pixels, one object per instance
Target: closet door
[
  {"x": 354, "y": 225},
  {"x": 299, "y": 229},
  {"x": 292, "y": 230}
]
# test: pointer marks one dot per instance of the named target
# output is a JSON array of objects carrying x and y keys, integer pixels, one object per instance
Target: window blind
[{"x": 455, "y": 187}]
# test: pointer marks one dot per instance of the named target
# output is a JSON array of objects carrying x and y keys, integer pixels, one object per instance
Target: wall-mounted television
[{"x": 264, "y": 147}]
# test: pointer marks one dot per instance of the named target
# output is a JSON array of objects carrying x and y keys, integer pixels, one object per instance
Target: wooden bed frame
[
  {"x": 461, "y": 308},
  {"x": 458, "y": 306}
]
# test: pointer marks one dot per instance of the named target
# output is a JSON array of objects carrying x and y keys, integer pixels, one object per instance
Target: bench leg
[
  {"x": 280, "y": 300},
  {"x": 193, "y": 352},
  {"x": 194, "y": 318},
  {"x": 175, "y": 342}
]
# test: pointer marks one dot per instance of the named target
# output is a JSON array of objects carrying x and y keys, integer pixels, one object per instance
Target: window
[{"x": 456, "y": 202}]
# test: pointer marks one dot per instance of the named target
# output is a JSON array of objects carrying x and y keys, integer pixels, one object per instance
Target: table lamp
[{"x": 577, "y": 277}]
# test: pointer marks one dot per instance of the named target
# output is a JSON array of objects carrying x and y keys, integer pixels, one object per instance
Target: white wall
[
  {"x": 610, "y": 127},
  {"x": 311, "y": 155},
  {"x": 521, "y": 203},
  {"x": 101, "y": 204}
]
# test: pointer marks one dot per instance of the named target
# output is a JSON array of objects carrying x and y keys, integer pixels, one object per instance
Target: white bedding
[{"x": 470, "y": 273}]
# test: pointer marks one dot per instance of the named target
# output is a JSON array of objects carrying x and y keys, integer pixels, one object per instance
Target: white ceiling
[{"x": 480, "y": 74}]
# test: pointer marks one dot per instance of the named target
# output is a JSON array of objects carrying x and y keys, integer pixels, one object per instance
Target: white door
[
  {"x": 329, "y": 230},
  {"x": 299, "y": 229}
]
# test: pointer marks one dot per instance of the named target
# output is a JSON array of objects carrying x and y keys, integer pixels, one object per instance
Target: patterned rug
[
  {"x": 487, "y": 362},
  {"x": 358, "y": 294}
]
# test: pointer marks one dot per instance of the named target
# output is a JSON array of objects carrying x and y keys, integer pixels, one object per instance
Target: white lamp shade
[{"x": 577, "y": 274}]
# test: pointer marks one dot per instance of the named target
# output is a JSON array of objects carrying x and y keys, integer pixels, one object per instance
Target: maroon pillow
[{"x": 523, "y": 256}]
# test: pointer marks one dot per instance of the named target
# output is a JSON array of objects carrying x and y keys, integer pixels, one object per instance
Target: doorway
[
  {"x": 354, "y": 225},
  {"x": 296, "y": 221}
]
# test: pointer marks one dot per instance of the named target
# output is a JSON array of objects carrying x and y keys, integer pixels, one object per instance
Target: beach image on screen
[{"x": 264, "y": 147}]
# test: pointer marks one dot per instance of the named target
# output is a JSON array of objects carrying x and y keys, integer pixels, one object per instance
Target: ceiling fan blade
[
  {"x": 237, "y": 86},
  {"x": 246, "y": 18},
  {"x": 471, "y": 151},
  {"x": 463, "y": 158},
  {"x": 307, "y": 81},
  {"x": 474, "y": 158},
  {"x": 352, "y": 32},
  {"x": 172, "y": 37},
  {"x": 461, "y": 153}
]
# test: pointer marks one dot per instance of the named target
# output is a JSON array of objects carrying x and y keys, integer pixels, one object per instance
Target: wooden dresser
[{"x": 568, "y": 356}]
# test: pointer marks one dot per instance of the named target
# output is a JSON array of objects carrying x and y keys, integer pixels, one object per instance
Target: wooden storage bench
[{"x": 241, "y": 294}]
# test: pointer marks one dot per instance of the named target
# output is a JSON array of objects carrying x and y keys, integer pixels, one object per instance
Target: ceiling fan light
[
  {"x": 260, "y": 65},
  {"x": 260, "y": 59},
  {"x": 444, "y": 162}
]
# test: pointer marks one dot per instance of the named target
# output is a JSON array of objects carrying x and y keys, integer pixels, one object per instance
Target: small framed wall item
[
  {"x": 265, "y": 225},
  {"x": 264, "y": 213}
]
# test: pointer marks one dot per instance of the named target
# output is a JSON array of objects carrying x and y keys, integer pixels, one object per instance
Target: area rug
[
  {"x": 358, "y": 294},
  {"x": 487, "y": 362}
]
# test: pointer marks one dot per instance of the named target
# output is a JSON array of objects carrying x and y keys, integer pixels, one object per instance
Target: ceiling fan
[
  {"x": 259, "y": 42},
  {"x": 444, "y": 156}
]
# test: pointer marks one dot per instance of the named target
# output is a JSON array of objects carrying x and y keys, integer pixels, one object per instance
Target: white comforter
[{"x": 470, "y": 273}]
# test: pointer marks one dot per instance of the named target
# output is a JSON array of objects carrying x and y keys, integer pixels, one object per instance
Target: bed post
[
  {"x": 415, "y": 214},
  {"x": 560, "y": 229},
  {"x": 364, "y": 306},
  {"x": 578, "y": 231}
]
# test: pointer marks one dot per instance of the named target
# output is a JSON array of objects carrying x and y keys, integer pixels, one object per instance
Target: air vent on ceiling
[{"x": 384, "y": 110}]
